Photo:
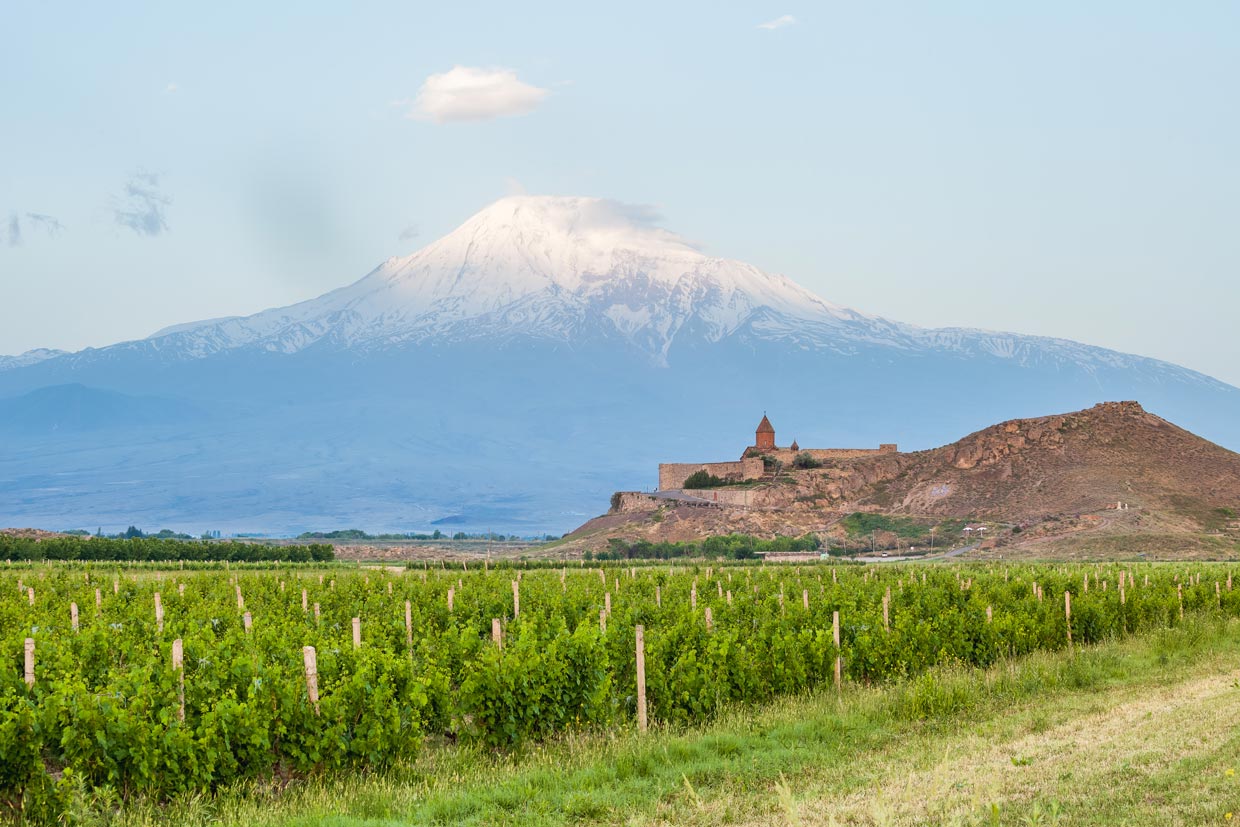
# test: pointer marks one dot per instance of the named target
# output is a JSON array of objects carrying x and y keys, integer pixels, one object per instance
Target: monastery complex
[{"x": 755, "y": 459}]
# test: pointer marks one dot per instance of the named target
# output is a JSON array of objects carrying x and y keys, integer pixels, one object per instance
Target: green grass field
[{"x": 1135, "y": 732}]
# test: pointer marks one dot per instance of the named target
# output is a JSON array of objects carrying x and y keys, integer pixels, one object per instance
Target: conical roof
[{"x": 765, "y": 426}]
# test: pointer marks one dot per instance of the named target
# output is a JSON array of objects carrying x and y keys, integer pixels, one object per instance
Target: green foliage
[
  {"x": 703, "y": 479},
  {"x": 155, "y": 549},
  {"x": 730, "y": 547},
  {"x": 105, "y": 702},
  {"x": 805, "y": 460}
]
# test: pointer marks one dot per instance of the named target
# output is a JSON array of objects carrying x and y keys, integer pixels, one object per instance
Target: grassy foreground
[{"x": 1137, "y": 732}]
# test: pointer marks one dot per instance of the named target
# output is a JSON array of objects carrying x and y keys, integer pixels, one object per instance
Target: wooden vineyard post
[
  {"x": 1084, "y": 582},
  {"x": 357, "y": 633},
  {"x": 1122, "y": 597},
  {"x": 692, "y": 596},
  {"x": 658, "y": 596},
  {"x": 73, "y": 616},
  {"x": 240, "y": 600},
  {"x": 516, "y": 597},
  {"x": 451, "y": 598},
  {"x": 98, "y": 600},
  {"x": 159, "y": 613},
  {"x": 409, "y": 627},
  {"x": 178, "y": 665},
  {"x": 312, "y": 675},
  {"x": 835, "y": 633},
  {"x": 389, "y": 587},
  {"x": 1179, "y": 588},
  {"x": 116, "y": 587},
  {"x": 719, "y": 587},
  {"x": 887, "y": 609},
  {"x": 497, "y": 633},
  {"x": 1067, "y": 614},
  {"x": 710, "y": 621},
  {"x": 317, "y": 613},
  {"x": 305, "y": 601},
  {"x": 729, "y": 594},
  {"x": 990, "y": 614},
  {"x": 607, "y": 602},
  {"x": 247, "y": 621},
  {"x": 642, "y": 722},
  {"x": 602, "y": 620},
  {"x": 805, "y": 598},
  {"x": 181, "y": 589},
  {"x": 1218, "y": 594},
  {"x": 834, "y": 579},
  {"x": 30, "y": 661},
  {"x": 30, "y": 594}
]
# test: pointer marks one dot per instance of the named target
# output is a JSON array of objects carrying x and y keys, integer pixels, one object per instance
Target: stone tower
[{"x": 764, "y": 437}]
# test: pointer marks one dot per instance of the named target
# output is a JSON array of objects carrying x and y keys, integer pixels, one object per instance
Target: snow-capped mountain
[{"x": 515, "y": 371}]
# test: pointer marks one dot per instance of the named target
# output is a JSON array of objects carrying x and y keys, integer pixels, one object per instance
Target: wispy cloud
[
  {"x": 142, "y": 206},
  {"x": 46, "y": 222},
  {"x": 778, "y": 23},
  {"x": 409, "y": 233},
  {"x": 17, "y": 226},
  {"x": 170, "y": 89},
  {"x": 466, "y": 93}
]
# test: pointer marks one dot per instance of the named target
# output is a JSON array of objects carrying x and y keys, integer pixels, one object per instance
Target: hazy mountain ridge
[{"x": 521, "y": 368}]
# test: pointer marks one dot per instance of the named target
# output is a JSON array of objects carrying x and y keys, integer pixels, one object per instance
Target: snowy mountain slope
[{"x": 579, "y": 269}]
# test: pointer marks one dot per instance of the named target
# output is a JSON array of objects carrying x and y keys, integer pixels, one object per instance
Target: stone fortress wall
[
  {"x": 672, "y": 475},
  {"x": 787, "y": 455}
]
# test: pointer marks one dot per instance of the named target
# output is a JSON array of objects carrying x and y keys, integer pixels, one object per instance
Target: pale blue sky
[{"x": 1055, "y": 168}]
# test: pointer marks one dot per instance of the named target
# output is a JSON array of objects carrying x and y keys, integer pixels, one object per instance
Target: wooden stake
[
  {"x": 312, "y": 675},
  {"x": 248, "y": 622},
  {"x": 178, "y": 664},
  {"x": 516, "y": 597},
  {"x": 73, "y": 616},
  {"x": 409, "y": 627},
  {"x": 805, "y": 598},
  {"x": 692, "y": 597},
  {"x": 451, "y": 598},
  {"x": 240, "y": 600},
  {"x": 710, "y": 621},
  {"x": 316, "y": 613},
  {"x": 835, "y": 633},
  {"x": 1179, "y": 588},
  {"x": 357, "y": 633},
  {"x": 607, "y": 602},
  {"x": 305, "y": 600},
  {"x": 159, "y": 613},
  {"x": 602, "y": 620},
  {"x": 30, "y": 594},
  {"x": 658, "y": 596},
  {"x": 729, "y": 593},
  {"x": 990, "y": 614},
  {"x": 497, "y": 633},
  {"x": 98, "y": 600},
  {"x": 642, "y": 722},
  {"x": 30, "y": 661},
  {"x": 1067, "y": 613}
]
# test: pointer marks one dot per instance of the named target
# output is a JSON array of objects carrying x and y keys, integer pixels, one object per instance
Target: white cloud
[
  {"x": 170, "y": 89},
  {"x": 466, "y": 93},
  {"x": 778, "y": 22}
]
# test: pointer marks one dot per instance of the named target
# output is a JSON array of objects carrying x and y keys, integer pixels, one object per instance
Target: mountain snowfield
[{"x": 512, "y": 373}]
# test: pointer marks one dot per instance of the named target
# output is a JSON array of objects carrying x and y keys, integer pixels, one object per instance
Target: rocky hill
[{"x": 1113, "y": 467}]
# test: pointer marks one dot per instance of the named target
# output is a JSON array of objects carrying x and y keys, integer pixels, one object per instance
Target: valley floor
[{"x": 1137, "y": 732}]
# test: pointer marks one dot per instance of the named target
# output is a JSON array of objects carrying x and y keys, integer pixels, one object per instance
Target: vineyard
[{"x": 162, "y": 682}]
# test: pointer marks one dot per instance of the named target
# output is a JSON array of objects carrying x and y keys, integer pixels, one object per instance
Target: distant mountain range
[{"x": 509, "y": 376}]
